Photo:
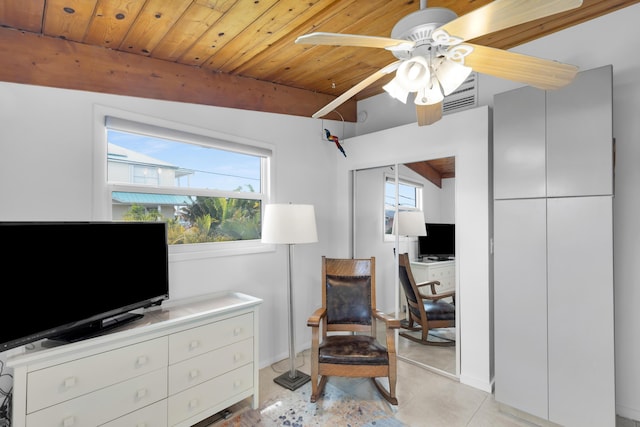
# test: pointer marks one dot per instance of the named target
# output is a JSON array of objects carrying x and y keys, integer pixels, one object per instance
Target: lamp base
[{"x": 292, "y": 383}]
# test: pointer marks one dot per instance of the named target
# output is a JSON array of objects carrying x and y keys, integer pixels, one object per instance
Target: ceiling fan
[{"x": 434, "y": 59}]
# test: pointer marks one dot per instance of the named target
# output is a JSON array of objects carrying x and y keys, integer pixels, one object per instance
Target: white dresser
[
  {"x": 443, "y": 271},
  {"x": 179, "y": 364}
]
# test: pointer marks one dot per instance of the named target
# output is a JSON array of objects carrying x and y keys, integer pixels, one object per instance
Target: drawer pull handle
[
  {"x": 70, "y": 382},
  {"x": 193, "y": 403},
  {"x": 194, "y": 373},
  {"x": 141, "y": 360},
  {"x": 237, "y": 383},
  {"x": 69, "y": 421},
  {"x": 141, "y": 393},
  {"x": 237, "y": 331},
  {"x": 194, "y": 344},
  {"x": 237, "y": 357}
]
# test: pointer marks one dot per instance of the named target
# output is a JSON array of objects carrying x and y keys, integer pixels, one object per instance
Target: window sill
[{"x": 180, "y": 253}]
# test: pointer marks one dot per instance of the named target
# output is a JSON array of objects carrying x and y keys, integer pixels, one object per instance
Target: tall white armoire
[{"x": 553, "y": 251}]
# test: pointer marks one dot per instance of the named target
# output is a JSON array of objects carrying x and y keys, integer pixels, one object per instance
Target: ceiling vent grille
[{"x": 465, "y": 97}]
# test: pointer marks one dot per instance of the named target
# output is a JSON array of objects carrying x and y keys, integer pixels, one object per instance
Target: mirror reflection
[{"x": 427, "y": 186}]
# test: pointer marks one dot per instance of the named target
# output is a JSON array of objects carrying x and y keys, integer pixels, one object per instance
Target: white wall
[
  {"x": 466, "y": 136},
  {"x": 46, "y": 173},
  {"x": 612, "y": 39}
]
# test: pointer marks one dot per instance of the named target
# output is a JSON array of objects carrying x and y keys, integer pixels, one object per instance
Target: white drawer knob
[
  {"x": 194, "y": 373},
  {"x": 141, "y": 360},
  {"x": 141, "y": 393},
  {"x": 70, "y": 382},
  {"x": 237, "y": 383},
  {"x": 69, "y": 421},
  {"x": 237, "y": 357},
  {"x": 193, "y": 403},
  {"x": 194, "y": 344},
  {"x": 237, "y": 331}
]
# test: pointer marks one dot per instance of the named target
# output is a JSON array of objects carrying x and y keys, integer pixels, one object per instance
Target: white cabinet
[
  {"x": 555, "y": 143},
  {"x": 178, "y": 365},
  {"x": 426, "y": 271},
  {"x": 443, "y": 271},
  {"x": 553, "y": 251}
]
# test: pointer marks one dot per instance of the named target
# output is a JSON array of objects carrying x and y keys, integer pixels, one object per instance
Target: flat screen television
[
  {"x": 67, "y": 281},
  {"x": 439, "y": 243}
]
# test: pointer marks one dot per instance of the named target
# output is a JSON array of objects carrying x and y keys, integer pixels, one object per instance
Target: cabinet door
[
  {"x": 519, "y": 144},
  {"x": 580, "y": 136},
  {"x": 581, "y": 347},
  {"x": 520, "y": 306}
]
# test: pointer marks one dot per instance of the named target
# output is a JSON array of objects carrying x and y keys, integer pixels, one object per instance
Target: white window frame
[{"x": 128, "y": 121}]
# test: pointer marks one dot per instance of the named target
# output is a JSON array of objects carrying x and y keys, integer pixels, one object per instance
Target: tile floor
[{"x": 425, "y": 398}]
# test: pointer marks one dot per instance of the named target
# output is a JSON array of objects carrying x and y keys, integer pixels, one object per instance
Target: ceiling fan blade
[
  {"x": 336, "y": 39},
  {"x": 428, "y": 114},
  {"x": 540, "y": 73},
  {"x": 498, "y": 15},
  {"x": 357, "y": 88}
]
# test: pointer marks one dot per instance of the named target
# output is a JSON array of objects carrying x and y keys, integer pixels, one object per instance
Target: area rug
[{"x": 346, "y": 402}]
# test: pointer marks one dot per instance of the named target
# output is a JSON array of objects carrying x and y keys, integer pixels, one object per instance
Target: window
[
  {"x": 208, "y": 190},
  {"x": 409, "y": 198}
]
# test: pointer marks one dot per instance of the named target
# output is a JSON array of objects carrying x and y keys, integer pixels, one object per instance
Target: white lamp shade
[
  {"x": 414, "y": 74},
  {"x": 410, "y": 223},
  {"x": 451, "y": 75},
  {"x": 394, "y": 89},
  {"x": 289, "y": 223}
]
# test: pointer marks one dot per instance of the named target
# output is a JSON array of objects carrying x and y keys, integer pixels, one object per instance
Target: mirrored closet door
[{"x": 428, "y": 186}]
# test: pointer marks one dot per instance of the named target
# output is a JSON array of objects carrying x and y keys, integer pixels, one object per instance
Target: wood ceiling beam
[
  {"x": 428, "y": 172},
  {"x": 39, "y": 60}
]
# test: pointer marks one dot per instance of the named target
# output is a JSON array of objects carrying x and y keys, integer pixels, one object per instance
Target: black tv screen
[
  {"x": 69, "y": 279},
  {"x": 439, "y": 243}
]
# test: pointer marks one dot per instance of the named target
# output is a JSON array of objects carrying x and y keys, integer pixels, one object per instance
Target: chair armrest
[
  {"x": 391, "y": 322},
  {"x": 437, "y": 297},
  {"x": 431, "y": 283},
  {"x": 314, "y": 319}
]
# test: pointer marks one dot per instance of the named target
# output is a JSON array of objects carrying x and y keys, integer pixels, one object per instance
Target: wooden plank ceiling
[{"x": 230, "y": 53}]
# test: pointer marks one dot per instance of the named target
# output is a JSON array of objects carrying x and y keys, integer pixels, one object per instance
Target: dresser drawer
[
  {"x": 154, "y": 415},
  {"x": 93, "y": 409},
  {"x": 66, "y": 381},
  {"x": 207, "y": 395},
  {"x": 202, "y": 368},
  {"x": 196, "y": 341}
]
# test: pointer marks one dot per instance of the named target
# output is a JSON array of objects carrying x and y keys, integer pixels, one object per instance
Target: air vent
[{"x": 465, "y": 97}]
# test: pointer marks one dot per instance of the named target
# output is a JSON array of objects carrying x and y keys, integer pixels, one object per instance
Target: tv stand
[{"x": 184, "y": 362}]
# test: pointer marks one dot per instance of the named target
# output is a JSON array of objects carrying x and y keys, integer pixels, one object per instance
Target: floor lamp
[
  {"x": 410, "y": 224},
  {"x": 290, "y": 224}
]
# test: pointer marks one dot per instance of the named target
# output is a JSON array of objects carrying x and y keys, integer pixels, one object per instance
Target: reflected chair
[
  {"x": 344, "y": 329},
  {"x": 426, "y": 311}
]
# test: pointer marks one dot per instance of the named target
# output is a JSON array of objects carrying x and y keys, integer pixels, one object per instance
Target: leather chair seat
[
  {"x": 439, "y": 310},
  {"x": 352, "y": 350}
]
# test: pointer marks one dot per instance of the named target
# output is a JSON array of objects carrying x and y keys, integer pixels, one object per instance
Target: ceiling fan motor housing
[{"x": 418, "y": 27}]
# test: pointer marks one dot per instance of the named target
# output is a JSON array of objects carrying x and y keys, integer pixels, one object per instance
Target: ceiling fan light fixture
[
  {"x": 430, "y": 94},
  {"x": 414, "y": 73},
  {"x": 396, "y": 90},
  {"x": 451, "y": 75}
]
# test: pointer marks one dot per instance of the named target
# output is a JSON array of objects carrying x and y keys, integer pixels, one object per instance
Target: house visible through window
[
  {"x": 207, "y": 190},
  {"x": 409, "y": 198}
]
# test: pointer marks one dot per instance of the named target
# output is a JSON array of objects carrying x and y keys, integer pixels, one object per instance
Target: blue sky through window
[{"x": 213, "y": 168}]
